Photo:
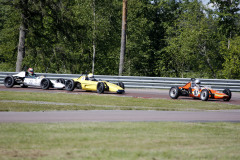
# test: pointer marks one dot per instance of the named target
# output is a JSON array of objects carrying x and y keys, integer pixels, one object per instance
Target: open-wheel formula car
[
  {"x": 194, "y": 90},
  {"x": 24, "y": 81},
  {"x": 89, "y": 83}
]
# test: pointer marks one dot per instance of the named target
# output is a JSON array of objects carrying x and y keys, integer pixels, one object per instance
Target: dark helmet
[{"x": 30, "y": 71}]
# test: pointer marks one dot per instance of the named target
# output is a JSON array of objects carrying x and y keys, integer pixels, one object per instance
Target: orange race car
[{"x": 193, "y": 89}]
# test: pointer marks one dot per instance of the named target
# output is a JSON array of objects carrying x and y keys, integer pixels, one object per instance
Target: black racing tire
[
  {"x": 9, "y": 81},
  {"x": 204, "y": 95},
  {"x": 121, "y": 84},
  {"x": 100, "y": 87},
  {"x": 60, "y": 80},
  {"x": 78, "y": 85},
  {"x": 174, "y": 92},
  {"x": 229, "y": 93},
  {"x": 70, "y": 85},
  {"x": 45, "y": 83}
]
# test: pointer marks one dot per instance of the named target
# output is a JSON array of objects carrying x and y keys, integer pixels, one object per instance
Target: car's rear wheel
[
  {"x": 121, "y": 84},
  {"x": 9, "y": 81},
  {"x": 45, "y": 83},
  {"x": 70, "y": 85},
  {"x": 100, "y": 87},
  {"x": 204, "y": 95},
  {"x": 174, "y": 92},
  {"x": 229, "y": 93}
]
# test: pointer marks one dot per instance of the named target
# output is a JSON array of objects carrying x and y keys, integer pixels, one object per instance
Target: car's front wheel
[
  {"x": 121, "y": 84},
  {"x": 174, "y": 92},
  {"x": 229, "y": 93},
  {"x": 9, "y": 81},
  {"x": 204, "y": 95},
  {"x": 45, "y": 83},
  {"x": 78, "y": 85},
  {"x": 70, "y": 85}
]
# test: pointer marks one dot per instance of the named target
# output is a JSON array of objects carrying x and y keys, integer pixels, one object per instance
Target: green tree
[
  {"x": 9, "y": 29},
  {"x": 228, "y": 26},
  {"x": 41, "y": 25},
  {"x": 165, "y": 14},
  {"x": 232, "y": 58},
  {"x": 52, "y": 37},
  {"x": 228, "y": 17},
  {"x": 146, "y": 31},
  {"x": 191, "y": 42},
  {"x": 104, "y": 31}
]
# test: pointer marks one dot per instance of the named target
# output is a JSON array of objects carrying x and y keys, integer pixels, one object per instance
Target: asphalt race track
[
  {"x": 138, "y": 93},
  {"x": 122, "y": 115}
]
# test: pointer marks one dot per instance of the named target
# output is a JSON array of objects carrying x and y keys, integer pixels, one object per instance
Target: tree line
[{"x": 172, "y": 38}]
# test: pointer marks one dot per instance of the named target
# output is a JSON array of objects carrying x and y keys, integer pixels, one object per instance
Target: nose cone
[
  {"x": 115, "y": 88},
  {"x": 120, "y": 91}
]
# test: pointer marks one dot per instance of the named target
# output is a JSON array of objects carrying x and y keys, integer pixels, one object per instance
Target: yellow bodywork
[{"x": 91, "y": 85}]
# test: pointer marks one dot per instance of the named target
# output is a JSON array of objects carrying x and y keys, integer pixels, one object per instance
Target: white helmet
[
  {"x": 90, "y": 75},
  {"x": 197, "y": 81}
]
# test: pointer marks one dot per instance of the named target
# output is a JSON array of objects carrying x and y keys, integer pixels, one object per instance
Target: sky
[{"x": 205, "y": 1}]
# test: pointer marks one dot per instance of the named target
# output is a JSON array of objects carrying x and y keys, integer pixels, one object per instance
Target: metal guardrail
[{"x": 146, "y": 82}]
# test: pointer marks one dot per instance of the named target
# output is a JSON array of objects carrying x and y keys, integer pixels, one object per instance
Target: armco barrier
[{"x": 146, "y": 82}]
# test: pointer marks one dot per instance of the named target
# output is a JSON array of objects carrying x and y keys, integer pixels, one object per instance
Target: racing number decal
[
  {"x": 30, "y": 82},
  {"x": 196, "y": 92}
]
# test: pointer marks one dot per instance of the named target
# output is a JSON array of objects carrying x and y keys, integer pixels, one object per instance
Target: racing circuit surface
[
  {"x": 137, "y": 93},
  {"x": 119, "y": 115}
]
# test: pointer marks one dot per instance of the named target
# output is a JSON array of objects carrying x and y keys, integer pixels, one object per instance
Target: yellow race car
[{"x": 89, "y": 83}]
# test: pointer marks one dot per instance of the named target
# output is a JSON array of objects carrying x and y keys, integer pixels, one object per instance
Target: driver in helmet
[
  {"x": 91, "y": 77},
  {"x": 197, "y": 82},
  {"x": 30, "y": 72}
]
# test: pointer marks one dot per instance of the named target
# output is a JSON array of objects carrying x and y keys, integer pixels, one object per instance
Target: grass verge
[
  {"x": 120, "y": 140},
  {"x": 31, "y": 101}
]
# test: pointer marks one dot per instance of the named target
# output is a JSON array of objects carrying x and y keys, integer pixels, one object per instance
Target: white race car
[{"x": 24, "y": 81}]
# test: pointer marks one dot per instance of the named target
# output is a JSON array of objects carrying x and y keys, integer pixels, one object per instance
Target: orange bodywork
[
  {"x": 187, "y": 86},
  {"x": 195, "y": 92}
]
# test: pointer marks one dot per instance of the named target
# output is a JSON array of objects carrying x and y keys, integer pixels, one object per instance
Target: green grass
[
  {"x": 31, "y": 101},
  {"x": 120, "y": 140},
  {"x": 113, "y": 140}
]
